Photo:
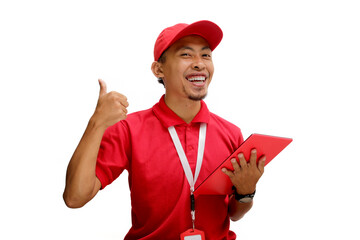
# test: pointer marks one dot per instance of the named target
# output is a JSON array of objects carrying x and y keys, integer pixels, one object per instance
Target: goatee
[{"x": 197, "y": 98}]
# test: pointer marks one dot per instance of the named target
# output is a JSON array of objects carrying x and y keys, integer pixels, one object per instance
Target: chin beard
[{"x": 197, "y": 98}]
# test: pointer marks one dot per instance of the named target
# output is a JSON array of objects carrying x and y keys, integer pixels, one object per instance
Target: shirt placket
[{"x": 191, "y": 142}]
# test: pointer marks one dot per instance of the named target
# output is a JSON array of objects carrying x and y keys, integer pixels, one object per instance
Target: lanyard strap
[
  {"x": 185, "y": 163},
  {"x": 183, "y": 159}
]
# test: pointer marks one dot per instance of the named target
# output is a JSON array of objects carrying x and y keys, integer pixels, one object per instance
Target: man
[{"x": 165, "y": 146}]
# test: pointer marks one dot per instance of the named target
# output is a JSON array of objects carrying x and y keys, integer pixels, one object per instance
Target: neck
[{"x": 186, "y": 109}]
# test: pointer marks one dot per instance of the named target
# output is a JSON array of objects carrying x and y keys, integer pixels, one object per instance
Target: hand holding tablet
[{"x": 218, "y": 183}]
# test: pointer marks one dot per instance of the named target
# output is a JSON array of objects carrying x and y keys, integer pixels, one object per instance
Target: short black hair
[{"x": 161, "y": 59}]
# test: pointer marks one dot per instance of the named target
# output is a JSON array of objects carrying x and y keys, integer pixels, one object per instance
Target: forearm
[
  {"x": 81, "y": 181},
  {"x": 237, "y": 209}
]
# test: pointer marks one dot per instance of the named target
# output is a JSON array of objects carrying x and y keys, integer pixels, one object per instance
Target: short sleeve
[
  {"x": 241, "y": 138},
  {"x": 114, "y": 153}
]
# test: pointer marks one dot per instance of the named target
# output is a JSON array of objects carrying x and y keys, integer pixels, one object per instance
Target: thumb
[{"x": 103, "y": 89}]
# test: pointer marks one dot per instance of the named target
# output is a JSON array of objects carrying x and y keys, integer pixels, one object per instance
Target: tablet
[{"x": 218, "y": 183}]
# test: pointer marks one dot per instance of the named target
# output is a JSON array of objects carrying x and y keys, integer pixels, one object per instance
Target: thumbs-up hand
[{"x": 111, "y": 107}]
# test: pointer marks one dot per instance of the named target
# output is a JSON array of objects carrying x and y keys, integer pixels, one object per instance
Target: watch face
[{"x": 245, "y": 200}]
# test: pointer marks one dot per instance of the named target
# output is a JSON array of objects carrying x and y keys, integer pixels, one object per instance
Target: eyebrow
[{"x": 190, "y": 48}]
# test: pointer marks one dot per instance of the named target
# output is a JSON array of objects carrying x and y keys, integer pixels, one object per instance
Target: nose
[{"x": 198, "y": 64}]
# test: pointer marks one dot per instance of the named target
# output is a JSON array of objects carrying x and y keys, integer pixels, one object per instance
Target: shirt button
[{"x": 191, "y": 148}]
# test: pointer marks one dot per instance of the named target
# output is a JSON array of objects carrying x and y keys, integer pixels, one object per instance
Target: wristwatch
[{"x": 243, "y": 198}]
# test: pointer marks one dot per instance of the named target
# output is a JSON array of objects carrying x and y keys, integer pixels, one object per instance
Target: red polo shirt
[{"x": 160, "y": 192}]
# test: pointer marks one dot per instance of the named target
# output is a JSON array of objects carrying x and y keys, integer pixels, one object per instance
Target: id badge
[{"x": 192, "y": 234}]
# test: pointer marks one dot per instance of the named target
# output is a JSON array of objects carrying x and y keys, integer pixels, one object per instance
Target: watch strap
[{"x": 238, "y": 197}]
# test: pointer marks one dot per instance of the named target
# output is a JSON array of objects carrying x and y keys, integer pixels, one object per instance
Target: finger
[
  {"x": 122, "y": 99},
  {"x": 242, "y": 160},
  {"x": 261, "y": 164},
  {"x": 124, "y": 113},
  {"x": 118, "y": 98},
  {"x": 103, "y": 88},
  {"x": 253, "y": 157},
  {"x": 124, "y": 102},
  {"x": 235, "y": 165},
  {"x": 228, "y": 172}
]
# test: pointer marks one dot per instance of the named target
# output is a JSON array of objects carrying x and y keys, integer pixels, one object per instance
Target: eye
[
  {"x": 206, "y": 55},
  {"x": 185, "y": 55}
]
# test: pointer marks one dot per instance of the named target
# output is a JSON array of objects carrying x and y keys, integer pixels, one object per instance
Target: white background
[{"x": 287, "y": 68}]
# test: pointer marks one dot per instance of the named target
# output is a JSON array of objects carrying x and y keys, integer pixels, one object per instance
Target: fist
[{"x": 110, "y": 108}]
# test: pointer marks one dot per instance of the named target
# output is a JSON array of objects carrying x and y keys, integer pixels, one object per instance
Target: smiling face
[{"x": 188, "y": 68}]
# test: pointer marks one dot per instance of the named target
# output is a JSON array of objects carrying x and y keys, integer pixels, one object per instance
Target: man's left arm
[{"x": 244, "y": 178}]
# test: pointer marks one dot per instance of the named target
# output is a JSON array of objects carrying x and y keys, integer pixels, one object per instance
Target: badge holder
[{"x": 192, "y": 234}]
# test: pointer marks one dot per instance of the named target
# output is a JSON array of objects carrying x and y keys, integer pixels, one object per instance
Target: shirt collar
[{"x": 168, "y": 118}]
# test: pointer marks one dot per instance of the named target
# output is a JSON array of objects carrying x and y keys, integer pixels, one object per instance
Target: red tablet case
[{"x": 218, "y": 183}]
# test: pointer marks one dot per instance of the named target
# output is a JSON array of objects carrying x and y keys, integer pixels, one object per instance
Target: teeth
[{"x": 196, "y": 78}]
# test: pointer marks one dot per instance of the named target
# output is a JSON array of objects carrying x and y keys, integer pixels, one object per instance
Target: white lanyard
[
  {"x": 185, "y": 164},
  {"x": 183, "y": 158}
]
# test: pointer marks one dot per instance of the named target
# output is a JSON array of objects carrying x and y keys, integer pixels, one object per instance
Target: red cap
[{"x": 211, "y": 32}]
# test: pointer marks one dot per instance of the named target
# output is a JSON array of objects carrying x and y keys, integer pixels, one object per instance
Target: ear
[{"x": 157, "y": 70}]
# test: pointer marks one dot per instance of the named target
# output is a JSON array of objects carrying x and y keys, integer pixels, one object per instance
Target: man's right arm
[{"x": 81, "y": 181}]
